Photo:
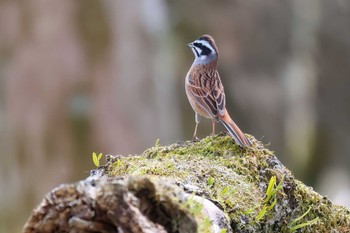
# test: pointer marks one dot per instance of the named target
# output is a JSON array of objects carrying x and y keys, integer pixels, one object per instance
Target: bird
[{"x": 205, "y": 90}]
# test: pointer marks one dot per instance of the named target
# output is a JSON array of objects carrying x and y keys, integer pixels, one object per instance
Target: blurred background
[{"x": 108, "y": 76}]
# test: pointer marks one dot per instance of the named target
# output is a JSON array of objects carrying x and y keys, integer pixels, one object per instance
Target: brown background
[{"x": 108, "y": 76}]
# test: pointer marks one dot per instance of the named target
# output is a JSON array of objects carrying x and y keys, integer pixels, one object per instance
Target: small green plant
[
  {"x": 157, "y": 143},
  {"x": 119, "y": 163},
  {"x": 223, "y": 230},
  {"x": 225, "y": 191},
  {"x": 270, "y": 198},
  {"x": 293, "y": 226},
  {"x": 210, "y": 181},
  {"x": 96, "y": 158},
  {"x": 261, "y": 213}
]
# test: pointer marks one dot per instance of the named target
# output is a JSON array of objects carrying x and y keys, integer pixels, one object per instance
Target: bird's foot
[{"x": 195, "y": 138}]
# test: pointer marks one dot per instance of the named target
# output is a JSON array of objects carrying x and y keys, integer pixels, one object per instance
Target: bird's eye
[
  {"x": 199, "y": 45},
  {"x": 205, "y": 51}
]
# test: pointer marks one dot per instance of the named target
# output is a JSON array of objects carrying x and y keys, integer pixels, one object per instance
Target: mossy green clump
[{"x": 236, "y": 179}]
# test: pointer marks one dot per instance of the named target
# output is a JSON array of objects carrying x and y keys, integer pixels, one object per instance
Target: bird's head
[{"x": 204, "y": 49}]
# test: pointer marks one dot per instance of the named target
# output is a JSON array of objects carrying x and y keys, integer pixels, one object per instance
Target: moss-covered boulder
[
  {"x": 208, "y": 186},
  {"x": 251, "y": 186}
]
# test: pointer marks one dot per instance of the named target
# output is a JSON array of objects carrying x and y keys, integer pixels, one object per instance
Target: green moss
[{"x": 238, "y": 182}]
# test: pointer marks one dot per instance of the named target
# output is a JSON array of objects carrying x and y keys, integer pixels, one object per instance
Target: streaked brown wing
[
  {"x": 207, "y": 89},
  {"x": 219, "y": 94}
]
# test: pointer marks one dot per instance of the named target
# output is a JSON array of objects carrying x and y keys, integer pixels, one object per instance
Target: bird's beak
[{"x": 190, "y": 45}]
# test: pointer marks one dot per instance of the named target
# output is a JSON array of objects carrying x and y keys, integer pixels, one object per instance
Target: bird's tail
[{"x": 234, "y": 131}]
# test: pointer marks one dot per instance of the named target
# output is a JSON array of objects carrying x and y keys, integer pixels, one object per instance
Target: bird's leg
[
  {"x": 213, "y": 127},
  {"x": 197, "y": 119},
  {"x": 195, "y": 138}
]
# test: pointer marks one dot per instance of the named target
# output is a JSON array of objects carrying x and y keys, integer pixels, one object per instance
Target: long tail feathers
[{"x": 234, "y": 131}]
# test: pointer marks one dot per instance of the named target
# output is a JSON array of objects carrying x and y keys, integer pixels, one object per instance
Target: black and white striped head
[{"x": 204, "y": 49}]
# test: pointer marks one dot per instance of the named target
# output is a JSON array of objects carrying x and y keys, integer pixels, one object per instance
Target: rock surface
[{"x": 207, "y": 186}]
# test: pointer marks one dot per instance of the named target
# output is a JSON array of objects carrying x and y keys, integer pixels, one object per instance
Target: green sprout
[
  {"x": 261, "y": 213},
  {"x": 96, "y": 158},
  {"x": 157, "y": 143},
  {"x": 210, "y": 181},
  {"x": 225, "y": 190},
  {"x": 293, "y": 227},
  {"x": 271, "y": 197}
]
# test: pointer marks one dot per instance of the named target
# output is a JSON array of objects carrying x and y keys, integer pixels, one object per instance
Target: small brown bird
[{"x": 205, "y": 91}]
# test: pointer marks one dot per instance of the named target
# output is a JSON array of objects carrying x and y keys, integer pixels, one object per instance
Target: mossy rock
[{"x": 236, "y": 180}]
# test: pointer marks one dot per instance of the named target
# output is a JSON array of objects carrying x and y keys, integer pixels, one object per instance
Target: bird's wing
[
  {"x": 208, "y": 91},
  {"x": 219, "y": 94}
]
